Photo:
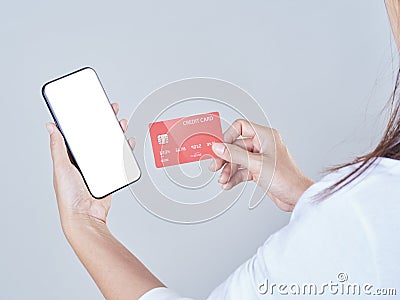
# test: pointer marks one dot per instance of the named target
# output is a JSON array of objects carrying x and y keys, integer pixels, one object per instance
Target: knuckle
[
  {"x": 275, "y": 134},
  {"x": 274, "y": 131},
  {"x": 239, "y": 122}
]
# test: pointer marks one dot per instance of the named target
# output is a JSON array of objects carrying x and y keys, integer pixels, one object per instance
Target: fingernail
[
  {"x": 222, "y": 178},
  {"x": 132, "y": 141},
  {"x": 225, "y": 186},
  {"x": 49, "y": 128},
  {"x": 218, "y": 148}
]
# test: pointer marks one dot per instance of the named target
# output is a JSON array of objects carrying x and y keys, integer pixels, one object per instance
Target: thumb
[
  {"x": 58, "y": 149},
  {"x": 233, "y": 154}
]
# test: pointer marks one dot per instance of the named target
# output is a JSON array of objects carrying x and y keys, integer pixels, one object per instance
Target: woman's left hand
[{"x": 73, "y": 198}]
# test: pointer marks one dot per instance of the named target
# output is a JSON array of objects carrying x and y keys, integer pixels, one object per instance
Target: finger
[
  {"x": 218, "y": 163},
  {"x": 227, "y": 172},
  {"x": 233, "y": 154},
  {"x": 239, "y": 128},
  {"x": 115, "y": 108},
  {"x": 59, "y": 152},
  {"x": 240, "y": 176},
  {"x": 245, "y": 143},
  {"x": 132, "y": 142},
  {"x": 124, "y": 124}
]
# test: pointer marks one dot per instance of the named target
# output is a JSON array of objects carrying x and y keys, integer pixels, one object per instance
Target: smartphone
[{"x": 95, "y": 140}]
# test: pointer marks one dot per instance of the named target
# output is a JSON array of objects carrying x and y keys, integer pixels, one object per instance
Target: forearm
[{"x": 116, "y": 271}]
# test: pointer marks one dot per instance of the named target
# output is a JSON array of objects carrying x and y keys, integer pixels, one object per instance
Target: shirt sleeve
[
  {"x": 162, "y": 293},
  {"x": 242, "y": 284},
  {"x": 306, "y": 250},
  {"x": 245, "y": 281},
  {"x": 316, "y": 247}
]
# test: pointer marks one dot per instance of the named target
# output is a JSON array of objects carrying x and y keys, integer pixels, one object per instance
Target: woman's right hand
[{"x": 258, "y": 153}]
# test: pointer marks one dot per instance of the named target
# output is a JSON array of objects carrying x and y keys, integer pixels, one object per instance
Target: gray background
[{"x": 321, "y": 69}]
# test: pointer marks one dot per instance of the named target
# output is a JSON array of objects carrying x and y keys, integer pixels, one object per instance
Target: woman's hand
[
  {"x": 254, "y": 152},
  {"x": 116, "y": 271},
  {"x": 73, "y": 198}
]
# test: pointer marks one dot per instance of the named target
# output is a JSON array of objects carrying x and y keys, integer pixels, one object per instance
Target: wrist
[
  {"x": 74, "y": 223},
  {"x": 303, "y": 184}
]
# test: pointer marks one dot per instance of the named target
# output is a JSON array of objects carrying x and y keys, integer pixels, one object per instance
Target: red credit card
[{"x": 184, "y": 140}]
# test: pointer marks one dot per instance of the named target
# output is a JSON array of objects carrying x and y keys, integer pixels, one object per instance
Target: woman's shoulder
[
  {"x": 353, "y": 230},
  {"x": 372, "y": 200},
  {"x": 383, "y": 177}
]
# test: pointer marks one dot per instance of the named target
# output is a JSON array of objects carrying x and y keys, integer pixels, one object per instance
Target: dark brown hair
[{"x": 389, "y": 147}]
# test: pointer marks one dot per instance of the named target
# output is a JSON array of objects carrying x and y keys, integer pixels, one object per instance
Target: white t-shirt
[{"x": 347, "y": 243}]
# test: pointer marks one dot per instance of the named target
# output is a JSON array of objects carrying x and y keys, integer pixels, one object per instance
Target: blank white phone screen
[{"x": 93, "y": 134}]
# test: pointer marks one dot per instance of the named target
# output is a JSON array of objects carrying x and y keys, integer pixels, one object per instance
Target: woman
[{"x": 343, "y": 229}]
